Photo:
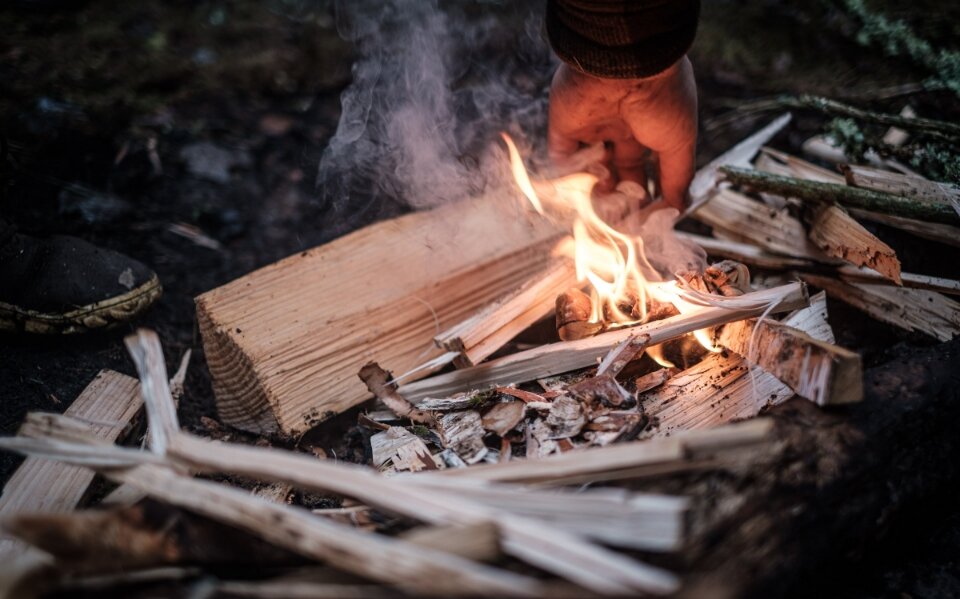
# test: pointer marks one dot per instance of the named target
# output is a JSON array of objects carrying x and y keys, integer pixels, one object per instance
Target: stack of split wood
[
  {"x": 454, "y": 533},
  {"x": 492, "y": 464}
]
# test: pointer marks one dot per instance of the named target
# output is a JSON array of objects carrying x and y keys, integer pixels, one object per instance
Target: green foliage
[
  {"x": 897, "y": 38},
  {"x": 846, "y": 133},
  {"x": 936, "y": 161}
]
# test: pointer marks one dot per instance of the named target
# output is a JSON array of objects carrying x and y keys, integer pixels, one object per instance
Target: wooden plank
[
  {"x": 623, "y": 460},
  {"x": 717, "y": 390},
  {"x": 910, "y": 309},
  {"x": 489, "y": 329},
  {"x": 285, "y": 342},
  {"x": 109, "y": 403},
  {"x": 565, "y": 356}
]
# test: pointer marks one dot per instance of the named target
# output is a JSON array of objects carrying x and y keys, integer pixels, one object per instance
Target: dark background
[{"x": 119, "y": 120}]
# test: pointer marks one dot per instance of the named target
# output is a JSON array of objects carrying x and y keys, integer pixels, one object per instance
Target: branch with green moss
[
  {"x": 942, "y": 130},
  {"x": 853, "y": 197}
]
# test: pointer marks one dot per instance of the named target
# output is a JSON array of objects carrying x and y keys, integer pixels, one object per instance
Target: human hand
[{"x": 658, "y": 114}]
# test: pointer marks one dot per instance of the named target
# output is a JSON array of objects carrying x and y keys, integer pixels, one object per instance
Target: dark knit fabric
[{"x": 621, "y": 39}]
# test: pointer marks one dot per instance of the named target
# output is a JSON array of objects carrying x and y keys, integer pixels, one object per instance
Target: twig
[{"x": 854, "y": 197}]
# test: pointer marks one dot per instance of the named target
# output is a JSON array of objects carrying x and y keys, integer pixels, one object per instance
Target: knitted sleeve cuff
[{"x": 621, "y": 39}]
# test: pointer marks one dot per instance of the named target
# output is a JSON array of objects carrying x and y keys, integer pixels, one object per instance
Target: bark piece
[
  {"x": 281, "y": 361},
  {"x": 574, "y": 310},
  {"x": 401, "y": 447},
  {"x": 654, "y": 379},
  {"x": 504, "y": 417},
  {"x": 463, "y": 433},
  {"x": 566, "y": 356},
  {"x": 377, "y": 381},
  {"x": 565, "y": 419},
  {"x": 910, "y": 309},
  {"x": 461, "y": 401},
  {"x": 603, "y": 390}
]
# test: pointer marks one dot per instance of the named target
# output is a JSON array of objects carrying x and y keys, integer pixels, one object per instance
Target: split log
[
  {"x": 825, "y": 148},
  {"x": 478, "y": 542},
  {"x": 487, "y": 331},
  {"x": 285, "y": 342},
  {"x": 146, "y": 535},
  {"x": 812, "y": 320},
  {"x": 839, "y": 235},
  {"x": 824, "y": 373},
  {"x": 566, "y": 356},
  {"x": 909, "y": 309},
  {"x": 946, "y": 234},
  {"x": 853, "y": 197},
  {"x": 617, "y": 517}
]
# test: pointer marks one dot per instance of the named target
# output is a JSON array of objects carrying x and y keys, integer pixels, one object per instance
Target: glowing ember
[{"x": 623, "y": 284}]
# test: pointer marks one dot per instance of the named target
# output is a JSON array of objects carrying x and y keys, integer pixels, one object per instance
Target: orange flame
[{"x": 612, "y": 262}]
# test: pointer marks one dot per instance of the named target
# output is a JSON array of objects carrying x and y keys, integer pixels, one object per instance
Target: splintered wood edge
[{"x": 561, "y": 357}]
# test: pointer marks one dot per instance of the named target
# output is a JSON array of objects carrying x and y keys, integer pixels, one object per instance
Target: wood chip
[
  {"x": 504, "y": 417},
  {"x": 463, "y": 432}
]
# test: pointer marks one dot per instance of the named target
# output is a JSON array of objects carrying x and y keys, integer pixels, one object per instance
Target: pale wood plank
[{"x": 284, "y": 343}]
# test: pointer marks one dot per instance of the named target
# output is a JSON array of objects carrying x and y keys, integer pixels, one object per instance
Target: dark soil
[{"x": 105, "y": 108}]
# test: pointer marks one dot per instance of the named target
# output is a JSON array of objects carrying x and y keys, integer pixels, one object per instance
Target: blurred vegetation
[{"x": 107, "y": 61}]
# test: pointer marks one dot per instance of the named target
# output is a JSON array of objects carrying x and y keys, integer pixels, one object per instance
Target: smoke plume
[{"x": 432, "y": 86}]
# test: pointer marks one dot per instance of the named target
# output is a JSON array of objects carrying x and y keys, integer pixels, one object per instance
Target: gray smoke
[{"x": 432, "y": 86}]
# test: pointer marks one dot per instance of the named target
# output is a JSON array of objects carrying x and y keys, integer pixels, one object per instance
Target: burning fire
[{"x": 623, "y": 283}]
